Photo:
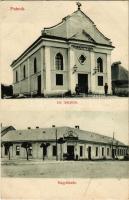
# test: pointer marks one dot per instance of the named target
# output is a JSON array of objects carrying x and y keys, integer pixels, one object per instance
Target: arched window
[
  {"x": 100, "y": 64},
  {"x": 59, "y": 61},
  {"x": 24, "y": 71},
  {"x": 16, "y": 76},
  {"x": 35, "y": 65}
]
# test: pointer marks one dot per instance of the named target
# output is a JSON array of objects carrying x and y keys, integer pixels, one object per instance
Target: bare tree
[
  {"x": 27, "y": 146},
  {"x": 7, "y": 146},
  {"x": 44, "y": 146},
  {"x": 61, "y": 141}
]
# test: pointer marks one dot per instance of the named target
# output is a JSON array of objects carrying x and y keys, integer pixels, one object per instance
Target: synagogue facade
[
  {"x": 61, "y": 143},
  {"x": 72, "y": 52}
]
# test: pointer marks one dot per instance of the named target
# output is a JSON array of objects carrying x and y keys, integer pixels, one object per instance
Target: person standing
[
  {"x": 77, "y": 89},
  {"x": 106, "y": 88}
]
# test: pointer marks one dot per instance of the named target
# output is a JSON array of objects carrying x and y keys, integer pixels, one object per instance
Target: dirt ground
[{"x": 65, "y": 169}]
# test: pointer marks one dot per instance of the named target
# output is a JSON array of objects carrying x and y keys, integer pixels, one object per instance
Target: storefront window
[
  {"x": 102, "y": 151},
  {"x": 81, "y": 151},
  {"x": 96, "y": 151},
  {"x": 17, "y": 150},
  {"x": 54, "y": 150}
]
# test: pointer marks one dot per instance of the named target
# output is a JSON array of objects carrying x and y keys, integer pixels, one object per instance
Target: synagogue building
[{"x": 72, "y": 52}]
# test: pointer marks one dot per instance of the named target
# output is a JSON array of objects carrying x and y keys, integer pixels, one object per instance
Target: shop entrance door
[
  {"x": 89, "y": 153},
  {"x": 70, "y": 152}
]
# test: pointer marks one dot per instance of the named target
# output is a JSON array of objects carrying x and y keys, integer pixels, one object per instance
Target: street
[{"x": 65, "y": 169}]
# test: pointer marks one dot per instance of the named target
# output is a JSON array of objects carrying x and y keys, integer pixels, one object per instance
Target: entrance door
[
  {"x": 39, "y": 85},
  {"x": 113, "y": 153},
  {"x": 83, "y": 83},
  {"x": 89, "y": 153},
  {"x": 70, "y": 152}
]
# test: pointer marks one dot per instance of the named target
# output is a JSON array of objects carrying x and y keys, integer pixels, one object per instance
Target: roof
[
  {"x": 74, "y": 27},
  {"x": 119, "y": 73},
  {"x": 75, "y": 23},
  {"x": 5, "y": 129},
  {"x": 49, "y": 134}
]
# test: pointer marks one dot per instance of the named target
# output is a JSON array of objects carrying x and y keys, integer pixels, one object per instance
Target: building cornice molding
[
  {"x": 76, "y": 141},
  {"x": 49, "y": 38}
]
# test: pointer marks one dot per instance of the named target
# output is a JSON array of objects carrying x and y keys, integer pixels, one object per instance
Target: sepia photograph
[
  {"x": 79, "y": 50},
  {"x": 64, "y": 87},
  {"x": 50, "y": 145}
]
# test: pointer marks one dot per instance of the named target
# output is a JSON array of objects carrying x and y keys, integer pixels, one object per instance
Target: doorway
[
  {"x": 89, "y": 153},
  {"x": 83, "y": 83},
  {"x": 70, "y": 152},
  {"x": 39, "y": 85},
  {"x": 113, "y": 153}
]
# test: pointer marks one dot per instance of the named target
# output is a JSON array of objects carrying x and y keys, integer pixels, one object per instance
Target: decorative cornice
[{"x": 45, "y": 36}]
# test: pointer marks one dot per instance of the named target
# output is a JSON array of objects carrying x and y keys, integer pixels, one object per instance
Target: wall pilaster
[
  {"x": 19, "y": 78},
  {"x": 28, "y": 68},
  {"x": 42, "y": 72},
  {"x": 72, "y": 76},
  {"x": 109, "y": 74},
  {"x": 93, "y": 76},
  {"x": 48, "y": 69}
]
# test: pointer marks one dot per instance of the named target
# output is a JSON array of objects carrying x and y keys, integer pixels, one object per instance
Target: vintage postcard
[
  {"x": 64, "y": 49},
  {"x": 64, "y": 100}
]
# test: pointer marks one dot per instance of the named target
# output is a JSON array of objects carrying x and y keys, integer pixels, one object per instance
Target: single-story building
[{"x": 60, "y": 143}]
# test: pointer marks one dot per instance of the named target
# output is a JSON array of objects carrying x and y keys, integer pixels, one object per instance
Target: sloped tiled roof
[
  {"x": 5, "y": 129},
  {"x": 45, "y": 134},
  {"x": 119, "y": 73}
]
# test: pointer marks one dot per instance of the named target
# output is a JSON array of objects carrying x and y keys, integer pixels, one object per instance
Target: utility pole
[
  {"x": 56, "y": 146},
  {"x": 113, "y": 153},
  {"x": 56, "y": 141},
  {"x": 1, "y": 136},
  {"x": 113, "y": 136}
]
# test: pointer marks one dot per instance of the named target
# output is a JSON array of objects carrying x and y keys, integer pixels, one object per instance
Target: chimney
[
  {"x": 77, "y": 127},
  {"x": 29, "y": 127},
  {"x": 37, "y": 126}
]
